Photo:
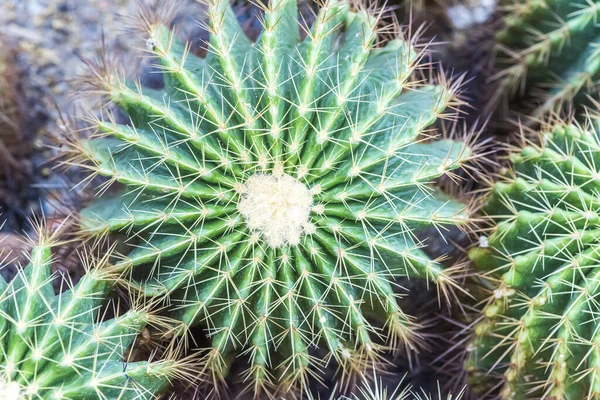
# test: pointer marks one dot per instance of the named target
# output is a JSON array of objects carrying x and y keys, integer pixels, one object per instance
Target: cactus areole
[{"x": 274, "y": 188}]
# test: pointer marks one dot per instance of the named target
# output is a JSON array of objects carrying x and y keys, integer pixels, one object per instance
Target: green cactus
[
  {"x": 549, "y": 51},
  {"x": 60, "y": 346},
  {"x": 538, "y": 335},
  {"x": 273, "y": 189}
]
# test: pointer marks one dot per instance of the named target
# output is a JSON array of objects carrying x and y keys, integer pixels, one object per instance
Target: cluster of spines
[
  {"x": 374, "y": 388},
  {"x": 549, "y": 50},
  {"x": 64, "y": 346},
  {"x": 539, "y": 332}
]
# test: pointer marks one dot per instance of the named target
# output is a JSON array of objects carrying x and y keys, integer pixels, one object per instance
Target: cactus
[
  {"x": 273, "y": 190},
  {"x": 549, "y": 51},
  {"x": 538, "y": 335},
  {"x": 374, "y": 388},
  {"x": 62, "y": 347}
]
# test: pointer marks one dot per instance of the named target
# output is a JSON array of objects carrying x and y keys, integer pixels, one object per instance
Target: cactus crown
[
  {"x": 274, "y": 189},
  {"x": 552, "y": 47},
  {"x": 539, "y": 331},
  {"x": 61, "y": 346}
]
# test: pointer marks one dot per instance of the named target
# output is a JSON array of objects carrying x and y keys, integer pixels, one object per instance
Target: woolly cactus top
[
  {"x": 59, "y": 347},
  {"x": 274, "y": 189},
  {"x": 276, "y": 207},
  {"x": 539, "y": 335}
]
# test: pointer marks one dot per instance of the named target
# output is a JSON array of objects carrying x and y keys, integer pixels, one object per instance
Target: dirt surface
[{"x": 49, "y": 39}]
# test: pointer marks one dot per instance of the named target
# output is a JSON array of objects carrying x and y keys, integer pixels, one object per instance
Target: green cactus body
[
  {"x": 59, "y": 347},
  {"x": 552, "y": 50},
  {"x": 273, "y": 189},
  {"x": 540, "y": 329}
]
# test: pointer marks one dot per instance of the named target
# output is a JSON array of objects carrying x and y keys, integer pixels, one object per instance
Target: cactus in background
[
  {"x": 273, "y": 189},
  {"x": 549, "y": 51},
  {"x": 61, "y": 347},
  {"x": 539, "y": 333}
]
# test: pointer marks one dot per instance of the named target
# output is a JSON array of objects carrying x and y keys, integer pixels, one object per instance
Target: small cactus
[
  {"x": 62, "y": 347},
  {"x": 273, "y": 189},
  {"x": 549, "y": 51},
  {"x": 539, "y": 336}
]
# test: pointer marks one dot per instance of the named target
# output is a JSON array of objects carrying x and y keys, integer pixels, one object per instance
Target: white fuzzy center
[
  {"x": 9, "y": 390},
  {"x": 276, "y": 206}
]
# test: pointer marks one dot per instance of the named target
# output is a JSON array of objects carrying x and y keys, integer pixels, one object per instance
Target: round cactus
[
  {"x": 539, "y": 332},
  {"x": 60, "y": 346},
  {"x": 273, "y": 189},
  {"x": 549, "y": 49}
]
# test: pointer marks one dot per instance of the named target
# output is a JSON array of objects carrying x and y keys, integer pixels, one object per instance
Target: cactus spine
[
  {"x": 60, "y": 346},
  {"x": 539, "y": 332},
  {"x": 274, "y": 189},
  {"x": 374, "y": 388},
  {"x": 550, "y": 50}
]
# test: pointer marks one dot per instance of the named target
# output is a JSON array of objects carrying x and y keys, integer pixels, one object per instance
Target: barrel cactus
[
  {"x": 549, "y": 51},
  {"x": 539, "y": 334},
  {"x": 61, "y": 347},
  {"x": 273, "y": 189}
]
